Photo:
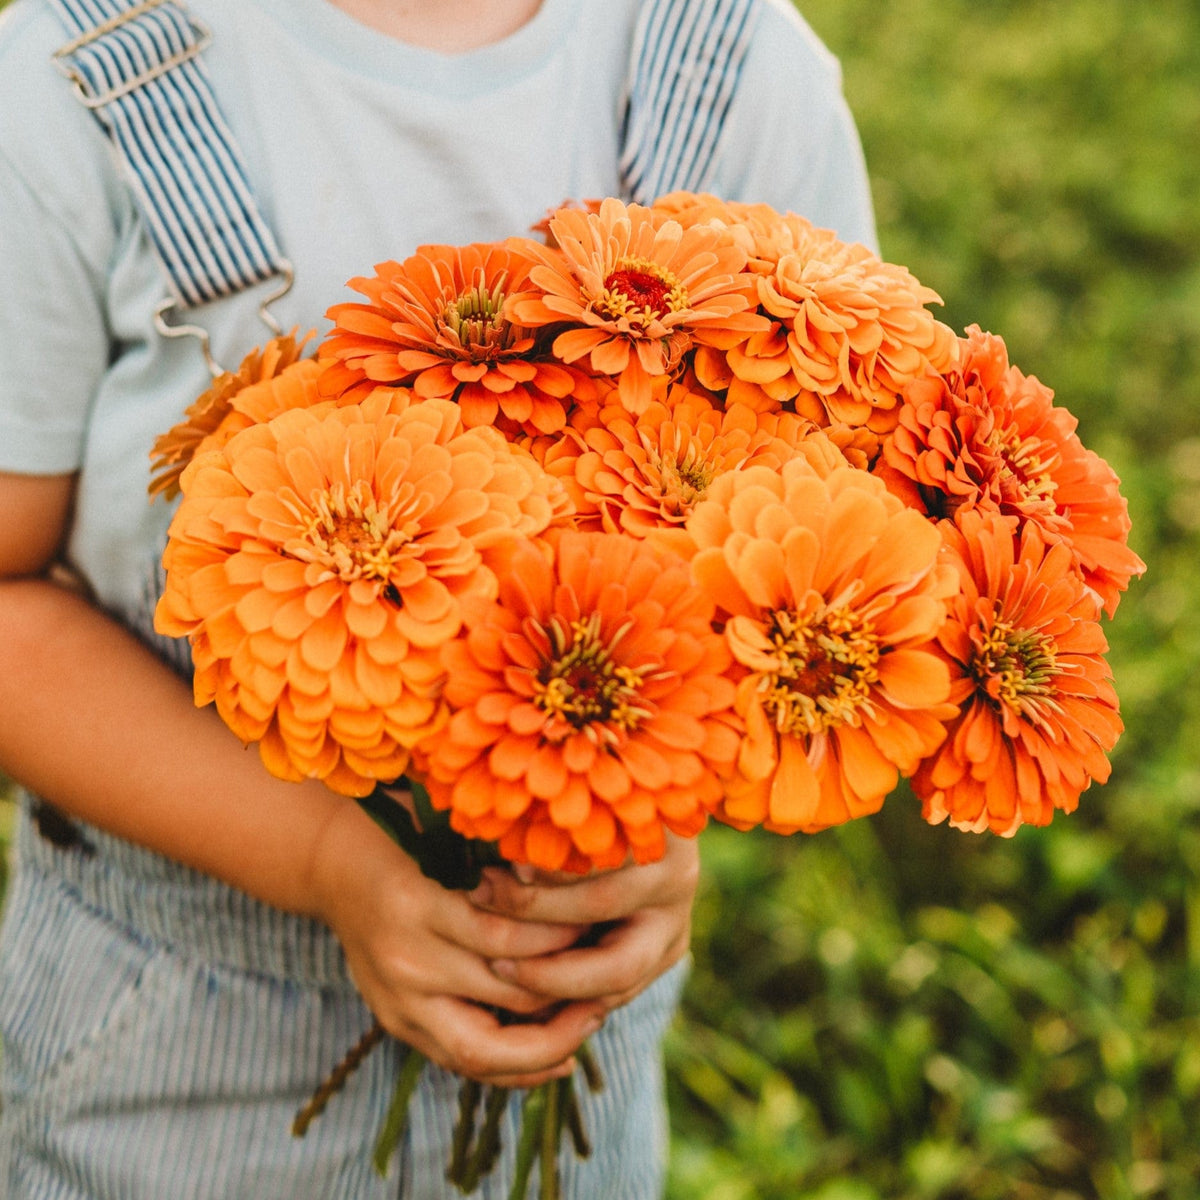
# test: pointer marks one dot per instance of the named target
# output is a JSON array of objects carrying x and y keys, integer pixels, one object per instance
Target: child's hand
[
  {"x": 648, "y": 909},
  {"x": 420, "y": 955}
]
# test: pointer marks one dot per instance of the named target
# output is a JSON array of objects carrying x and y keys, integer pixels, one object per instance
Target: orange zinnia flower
[
  {"x": 436, "y": 323},
  {"x": 271, "y": 379},
  {"x": 832, "y": 595},
  {"x": 636, "y": 473},
  {"x": 763, "y": 232},
  {"x": 1025, "y": 650},
  {"x": 986, "y": 436},
  {"x": 846, "y": 330},
  {"x": 317, "y": 563},
  {"x": 591, "y": 710},
  {"x": 634, "y": 291}
]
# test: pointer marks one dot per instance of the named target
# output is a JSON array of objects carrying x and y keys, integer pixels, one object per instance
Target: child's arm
[{"x": 94, "y": 722}]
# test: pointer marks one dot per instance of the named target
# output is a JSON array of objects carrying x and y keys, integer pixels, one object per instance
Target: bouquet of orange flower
[{"x": 676, "y": 511}]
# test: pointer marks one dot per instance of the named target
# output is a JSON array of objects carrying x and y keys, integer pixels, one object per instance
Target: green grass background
[{"x": 897, "y": 1012}]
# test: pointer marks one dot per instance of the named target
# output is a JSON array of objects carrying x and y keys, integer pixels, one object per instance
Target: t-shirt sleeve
[
  {"x": 789, "y": 139},
  {"x": 57, "y": 240},
  {"x": 53, "y": 339}
]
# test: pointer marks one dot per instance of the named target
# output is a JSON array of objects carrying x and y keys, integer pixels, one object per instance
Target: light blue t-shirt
[{"x": 359, "y": 149}]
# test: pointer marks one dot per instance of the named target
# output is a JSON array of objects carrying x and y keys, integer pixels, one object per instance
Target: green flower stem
[
  {"x": 464, "y": 1130},
  {"x": 590, "y": 1067},
  {"x": 397, "y": 1114},
  {"x": 573, "y": 1117},
  {"x": 533, "y": 1115},
  {"x": 551, "y": 1136},
  {"x": 487, "y": 1146}
]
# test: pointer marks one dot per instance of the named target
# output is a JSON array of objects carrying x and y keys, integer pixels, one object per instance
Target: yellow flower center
[
  {"x": 352, "y": 534},
  {"x": 581, "y": 686},
  {"x": 472, "y": 323},
  {"x": 679, "y": 475},
  {"x": 1016, "y": 668},
  {"x": 820, "y": 670},
  {"x": 639, "y": 291},
  {"x": 1026, "y": 472}
]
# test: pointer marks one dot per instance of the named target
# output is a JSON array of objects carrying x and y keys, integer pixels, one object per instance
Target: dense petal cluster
[
  {"x": 318, "y": 562},
  {"x": 1038, "y": 713},
  {"x": 592, "y": 710},
  {"x": 626, "y": 293},
  {"x": 436, "y": 323},
  {"x": 764, "y": 233},
  {"x": 983, "y": 435},
  {"x": 686, "y": 509},
  {"x": 630, "y": 474},
  {"x": 845, "y": 331},
  {"x": 831, "y": 596}
]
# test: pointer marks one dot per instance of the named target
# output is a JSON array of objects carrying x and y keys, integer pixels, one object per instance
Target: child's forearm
[{"x": 94, "y": 722}]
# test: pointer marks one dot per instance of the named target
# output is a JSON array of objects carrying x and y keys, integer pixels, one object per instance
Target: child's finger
[
  {"x": 495, "y": 935},
  {"x": 605, "y": 896},
  {"x": 624, "y": 962},
  {"x": 471, "y": 1041}
]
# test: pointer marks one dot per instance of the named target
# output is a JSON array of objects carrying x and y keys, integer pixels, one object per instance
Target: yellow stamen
[
  {"x": 582, "y": 685},
  {"x": 472, "y": 321},
  {"x": 823, "y": 667},
  {"x": 680, "y": 473},
  {"x": 639, "y": 291},
  {"x": 1025, "y": 467},
  {"x": 1016, "y": 668},
  {"x": 352, "y": 533}
]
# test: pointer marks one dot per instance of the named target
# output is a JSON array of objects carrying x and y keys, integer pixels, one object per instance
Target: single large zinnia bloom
[
  {"x": 984, "y": 435},
  {"x": 591, "y": 710},
  {"x": 831, "y": 595},
  {"x": 318, "y": 562},
  {"x": 631, "y": 290},
  {"x": 1038, "y": 713},
  {"x": 436, "y": 323}
]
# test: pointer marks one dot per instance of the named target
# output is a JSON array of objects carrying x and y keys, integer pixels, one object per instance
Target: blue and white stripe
[
  {"x": 687, "y": 57},
  {"x": 161, "y": 1030},
  {"x": 138, "y": 67}
]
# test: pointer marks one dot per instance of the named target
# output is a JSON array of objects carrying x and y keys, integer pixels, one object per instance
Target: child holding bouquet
[{"x": 189, "y": 942}]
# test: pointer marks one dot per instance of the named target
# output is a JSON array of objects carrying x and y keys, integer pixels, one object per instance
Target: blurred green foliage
[{"x": 897, "y": 1012}]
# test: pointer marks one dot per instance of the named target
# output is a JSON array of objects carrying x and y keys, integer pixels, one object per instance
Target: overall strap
[
  {"x": 136, "y": 65},
  {"x": 687, "y": 57}
]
